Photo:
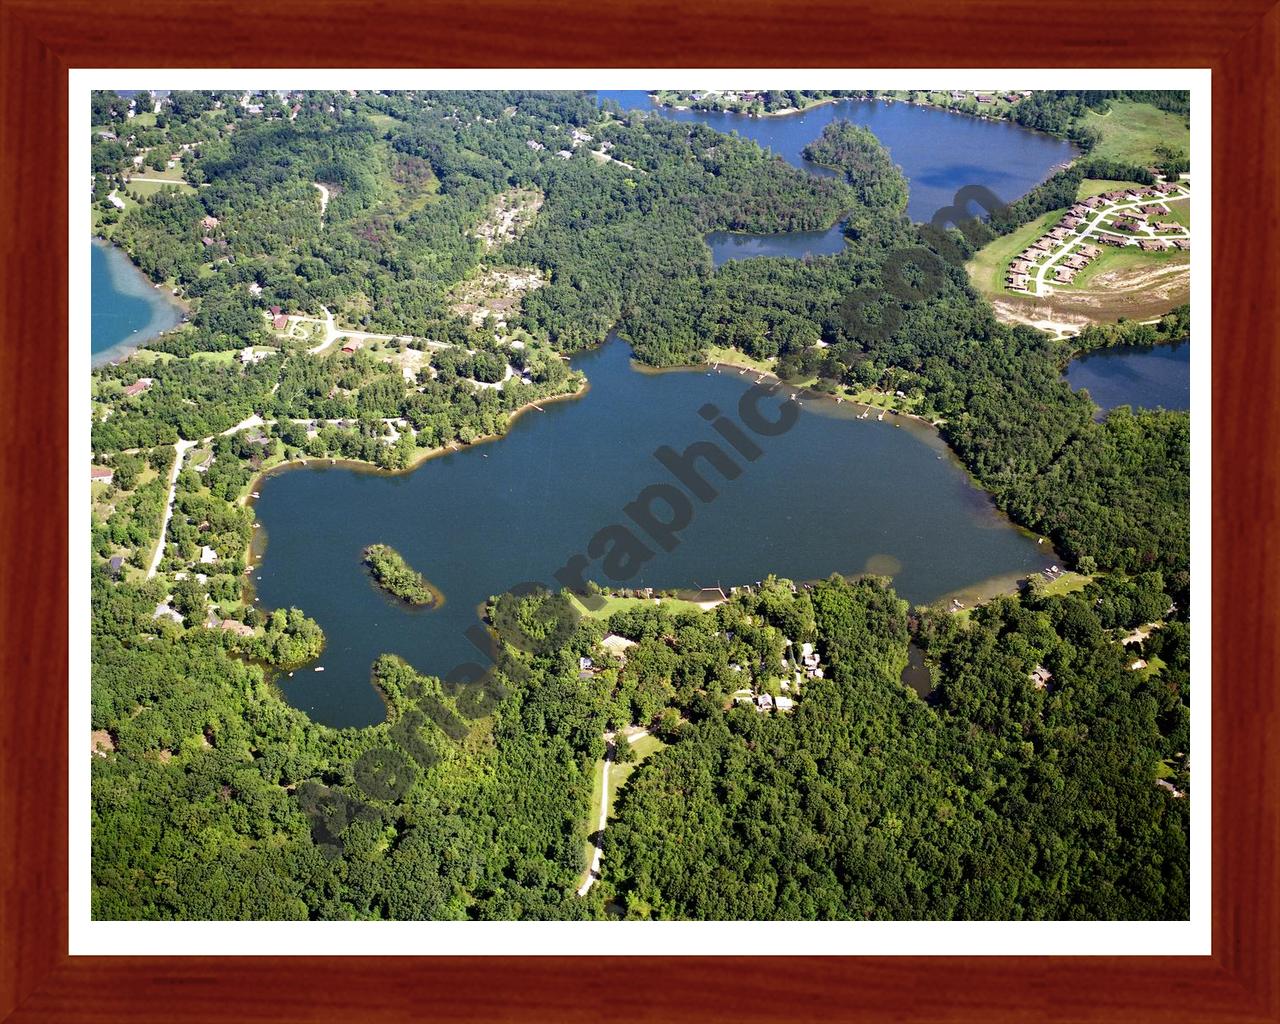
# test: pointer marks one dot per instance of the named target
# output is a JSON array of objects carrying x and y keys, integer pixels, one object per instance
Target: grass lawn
[
  {"x": 986, "y": 269},
  {"x": 618, "y": 604},
  {"x": 173, "y": 174},
  {"x": 1132, "y": 131},
  {"x": 1124, "y": 259},
  {"x": 1096, "y": 186},
  {"x": 225, "y": 358},
  {"x": 148, "y": 356},
  {"x": 1067, "y": 583},
  {"x": 150, "y": 188},
  {"x": 885, "y": 400},
  {"x": 722, "y": 354}
]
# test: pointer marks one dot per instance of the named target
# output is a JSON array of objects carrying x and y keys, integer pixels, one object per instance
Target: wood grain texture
[{"x": 40, "y": 41}]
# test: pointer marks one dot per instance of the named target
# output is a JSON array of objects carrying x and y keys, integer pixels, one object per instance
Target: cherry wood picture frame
[{"x": 41, "y": 39}]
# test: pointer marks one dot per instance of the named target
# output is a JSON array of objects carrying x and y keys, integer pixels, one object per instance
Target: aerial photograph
[{"x": 669, "y": 505}]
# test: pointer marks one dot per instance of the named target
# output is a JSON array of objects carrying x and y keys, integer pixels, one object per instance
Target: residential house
[
  {"x": 138, "y": 386},
  {"x": 280, "y": 322},
  {"x": 1064, "y": 275},
  {"x": 238, "y": 628},
  {"x": 101, "y": 474},
  {"x": 116, "y": 565},
  {"x": 1153, "y": 244},
  {"x": 1182, "y": 243}
]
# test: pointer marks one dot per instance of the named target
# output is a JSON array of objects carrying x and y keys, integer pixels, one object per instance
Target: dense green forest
[{"x": 997, "y": 798}]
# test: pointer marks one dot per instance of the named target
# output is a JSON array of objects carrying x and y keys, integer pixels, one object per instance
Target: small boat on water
[{"x": 319, "y": 668}]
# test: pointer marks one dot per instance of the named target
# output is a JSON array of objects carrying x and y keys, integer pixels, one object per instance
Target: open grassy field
[
  {"x": 986, "y": 269},
  {"x": 1132, "y": 131},
  {"x": 150, "y": 188},
  {"x": 1096, "y": 186},
  {"x": 1129, "y": 258},
  {"x": 1179, "y": 212}
]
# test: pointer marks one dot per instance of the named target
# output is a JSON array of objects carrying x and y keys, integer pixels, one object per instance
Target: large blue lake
[
  {"x": 833, "y": 494},
  {"x": 126, "y": 309},
  {"x": 1145, "y": 377}
]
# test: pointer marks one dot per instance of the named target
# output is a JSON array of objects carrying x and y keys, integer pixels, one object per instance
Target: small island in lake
[{"x": 394, "y": 575}]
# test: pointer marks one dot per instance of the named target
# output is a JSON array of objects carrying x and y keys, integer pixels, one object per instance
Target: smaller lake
[
  {"x": 742, "y": 245},
  {"x": 127, "y": 310},
  {"x": 1141, "y": 376}
]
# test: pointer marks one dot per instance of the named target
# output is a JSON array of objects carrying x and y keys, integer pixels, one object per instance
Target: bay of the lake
[{"x": 126, "y": 309}]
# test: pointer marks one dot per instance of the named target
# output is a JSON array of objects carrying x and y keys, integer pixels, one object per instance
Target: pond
[
  {"x": 742, "y": 245},
  {"x": 916, "y": 674},
  {"x": 1141, "y": 376},
  {"x": 938, "y": 151},
  {"x": 834, "y": 493},
  {"x": 126, "y": 309}
]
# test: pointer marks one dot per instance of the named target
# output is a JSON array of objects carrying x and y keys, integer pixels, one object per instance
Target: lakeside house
[
  {"x": 238, "y": 628},
  {"x": 101, "y": 474},
  {"x": 138, "y": 386}
]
